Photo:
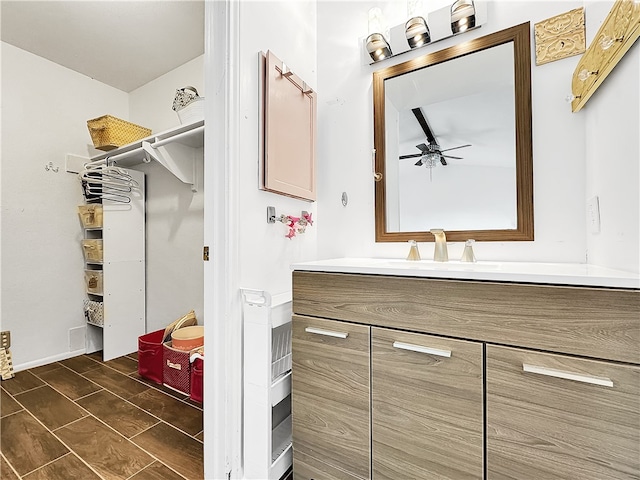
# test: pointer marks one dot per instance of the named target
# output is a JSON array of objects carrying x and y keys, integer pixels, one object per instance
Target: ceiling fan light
[
  {"x": 417, "y": 32},
  {"x": 430, "y": 160},
  {"x": 463, "y": 15},
  {"x": 377, "y": 47}
]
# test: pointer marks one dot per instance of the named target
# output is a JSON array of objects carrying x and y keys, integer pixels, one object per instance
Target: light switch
[{"x": 593, "y": 214}]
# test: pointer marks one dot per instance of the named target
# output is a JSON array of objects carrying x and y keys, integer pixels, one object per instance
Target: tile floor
[{"x": 86, "y": 419}]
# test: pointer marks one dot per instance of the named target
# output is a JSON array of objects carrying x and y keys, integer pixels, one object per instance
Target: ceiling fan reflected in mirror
[{"x": 430, "y": 153}]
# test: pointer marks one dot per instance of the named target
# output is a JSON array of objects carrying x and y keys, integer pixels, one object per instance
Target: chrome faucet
[{"x": 440, "y": 254}]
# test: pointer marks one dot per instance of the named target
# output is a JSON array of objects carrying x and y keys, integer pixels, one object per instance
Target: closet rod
[
  {"x": 174, "y": 138},
  {"x": 120, "y": 156}
]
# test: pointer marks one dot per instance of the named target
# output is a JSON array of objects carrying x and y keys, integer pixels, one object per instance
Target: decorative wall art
[
  {"x": 560, "y": 37},
  {"x": 616, "y": 35}
]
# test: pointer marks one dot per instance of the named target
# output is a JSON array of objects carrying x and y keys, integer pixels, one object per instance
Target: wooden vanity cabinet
[
  {"x": 560, "y": 417},
  {"x": 427, "y": 406},
  {"x": 330, "y": 399},
  {"x": 498, "y": 408}
]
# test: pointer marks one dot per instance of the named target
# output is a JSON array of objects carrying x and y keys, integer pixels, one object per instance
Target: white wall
[
  {"x": 265, "y": 253},
  {"x": 150, "y": 105},
  {"x": 612, "y": 157},
  {"x": 175, "y": 214},
  {"x": 559, "y": 144},
  {"x": 44, "y": 112}
]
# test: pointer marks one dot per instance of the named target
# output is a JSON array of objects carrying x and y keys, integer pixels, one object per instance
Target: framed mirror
[{"x": 453, "y": 142}]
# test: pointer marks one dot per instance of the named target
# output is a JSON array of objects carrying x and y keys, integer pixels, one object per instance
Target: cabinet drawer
[
  {"x": 427, "y": 406},
  {"x": 330, "y": 393},
  {"x": 557, "y": 417}
]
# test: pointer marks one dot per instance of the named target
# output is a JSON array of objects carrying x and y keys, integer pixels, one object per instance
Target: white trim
[
  {"x": 222, "y": 302},
  {"x": 47, "y": 360}
]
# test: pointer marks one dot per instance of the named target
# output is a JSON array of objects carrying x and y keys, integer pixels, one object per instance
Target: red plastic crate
[
  {"x": 150, "y": 355},
  {"x": 197, "y": 375},
  {"x": 176, "y": 368}
]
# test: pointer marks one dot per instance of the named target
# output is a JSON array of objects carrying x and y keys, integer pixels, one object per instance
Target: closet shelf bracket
[{"x": 179, "y": 159}]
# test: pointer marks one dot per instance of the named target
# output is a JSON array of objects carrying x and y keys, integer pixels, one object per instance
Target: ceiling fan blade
[
  {"x": 413, "y": 155},
  {"x": 450, "y": 156},
  {"x": 422, "y": 147},
  {"x": 425, "y": 126},
  {"x": 453, "y": 148},
  {"x": 418, "y": 163},
  {"x": 442, "y": 160}
]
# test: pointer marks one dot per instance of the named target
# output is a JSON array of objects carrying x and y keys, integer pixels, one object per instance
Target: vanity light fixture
[
  {"x": 376, "y": 43},
  {"x": 417, "y": 32},
  {"x": 463, "y": 15}
]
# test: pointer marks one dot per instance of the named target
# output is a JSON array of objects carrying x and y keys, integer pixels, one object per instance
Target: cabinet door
[
  {"x": 427, "y": 406},
  {"x": 330, "y": 395},
  {"x": 559, "y": 417}
]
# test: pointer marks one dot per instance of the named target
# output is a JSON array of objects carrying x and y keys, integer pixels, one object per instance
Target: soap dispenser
[
  {"x": 440, "y": 254},
  {"x": 414, "y": 254},
  {"x": 467, "y": 254}
]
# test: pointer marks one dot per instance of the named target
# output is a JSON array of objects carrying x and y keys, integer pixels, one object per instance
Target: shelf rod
[
  {"x": 188, "y": 133},
  {"x": 120, "y": 156}
]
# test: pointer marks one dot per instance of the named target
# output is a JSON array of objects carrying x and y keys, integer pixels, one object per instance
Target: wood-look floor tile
[
  {"x": 182, "y": 416},
  {"x": 120, "y": 415},
  {"x": 159, "y": 386},
  {"x": 157, "y": 471},
  {"x": 22, "y": 382},
  {"x": 110, "y": 454},
  {"x": 200, "y": 436},
  {"x": 80, "y": 364},
  {"x": 124, "y": 365},
  {"x": 70, "y": 383},
  {"x": 50, "y": 407},
  {"x": 116, "y": 382},
  {"x": 181, "y": 452},
  {"x": 45, "y": 368},
  {"x": 6, "y": 473},
  {"x": 7, "y": 404},
  {"x": 67, "y": 468},
  {"x": 97, "y": 356},
  {"x": 26, "y": 444},
  {"x": 133, "y": 355}
]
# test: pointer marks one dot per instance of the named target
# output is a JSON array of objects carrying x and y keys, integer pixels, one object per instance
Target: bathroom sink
[{"x": 450, "y": 265}]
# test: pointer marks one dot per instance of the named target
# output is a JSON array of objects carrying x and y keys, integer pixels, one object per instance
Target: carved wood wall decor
[
  {"x": 616, "y": 35},
  {"x": 560, "y": 37}
]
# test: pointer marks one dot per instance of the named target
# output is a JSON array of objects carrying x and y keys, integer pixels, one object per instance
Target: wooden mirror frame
[{"x": 520, "y": 36}]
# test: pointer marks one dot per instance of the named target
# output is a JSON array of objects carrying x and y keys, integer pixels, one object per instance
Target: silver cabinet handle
[
  {"x": 550, "y": 372},
  {"x": 328, "y": 333},
  {"x": 421, "y": 349}
]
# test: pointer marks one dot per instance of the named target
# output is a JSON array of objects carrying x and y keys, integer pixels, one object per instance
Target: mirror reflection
[{"x": 446, "y": 135}]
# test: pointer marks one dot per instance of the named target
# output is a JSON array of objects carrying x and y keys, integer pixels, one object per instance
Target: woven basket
[
  {"x": 109, "y": 132},
  {"x": 94, "y": 312}
]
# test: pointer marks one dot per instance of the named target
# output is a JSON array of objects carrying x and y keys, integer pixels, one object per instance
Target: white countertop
[{"x": 529, "y": 272}]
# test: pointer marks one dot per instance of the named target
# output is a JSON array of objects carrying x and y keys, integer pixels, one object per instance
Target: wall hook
[
  {"x": 50, "y": 166},
  {"x": 295, "y": 224}
]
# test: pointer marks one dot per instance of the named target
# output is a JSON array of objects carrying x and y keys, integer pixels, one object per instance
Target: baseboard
[{"x": 47, "y": 360}]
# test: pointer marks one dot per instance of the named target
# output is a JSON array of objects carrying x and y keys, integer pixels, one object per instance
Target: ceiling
[
  {"x": 124, "y": 44},
  {"x": 472, "y": 103}
]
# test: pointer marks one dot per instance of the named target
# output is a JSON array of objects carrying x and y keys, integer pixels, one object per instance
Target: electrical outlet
[{"x": 593, "y": 214}]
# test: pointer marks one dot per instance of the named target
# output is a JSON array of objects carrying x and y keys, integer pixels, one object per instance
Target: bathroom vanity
[{"x": 465, "y": 371}]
